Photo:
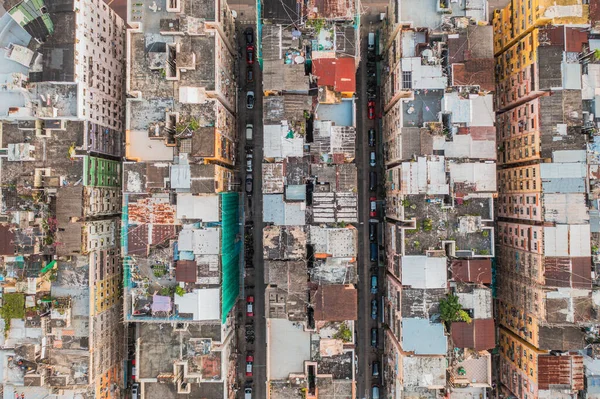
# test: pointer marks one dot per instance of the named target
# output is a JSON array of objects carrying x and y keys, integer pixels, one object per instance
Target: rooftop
[
  {"x": 423, "y": 337},
  {"x": 334, "y": 242},
  {"x": 424, "y": 371},
  {"x": 478, "y": 335},
  {"x": 335, "y": 303},
  {"x": 459, "y": 224},
  {"x": 424, "y": 271},
  {"x": 284, "y": 242},
  {"x": 284, "y": 336}
]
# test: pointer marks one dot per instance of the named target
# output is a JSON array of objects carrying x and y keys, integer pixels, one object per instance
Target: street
[
  {"x": 367, "y": 354},
  {"x": 253, "y": 282}
]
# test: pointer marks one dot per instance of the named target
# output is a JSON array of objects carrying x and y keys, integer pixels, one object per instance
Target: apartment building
[
  {"x": 61, "y": 122},
  {"x": 440, "y": 180},
  {"x": 181, "y": 225},
  {"x": 545, "y": 265}
]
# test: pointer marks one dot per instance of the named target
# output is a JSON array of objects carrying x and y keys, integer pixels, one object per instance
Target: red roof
[
  {"x": 472, "y": 271},
  {"x": 339, "y": 73},
  {"x": 186, "y": 271},
  {"x": 479, "y": 334}
]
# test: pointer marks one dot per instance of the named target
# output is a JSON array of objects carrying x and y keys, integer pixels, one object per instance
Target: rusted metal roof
[
  {"x": 472, "y": 271},
  {"x": 479, "y": 334},
  {"x": 560, "y": 370},
  {"x": 336, "y": 303},
  {"x": 161, "y": 233},
  {"x": 568, "y": 272},
  {"x": 7, "y": 241},
  {"x": 186, "y": 271},
  {"x": 137, "y": 240}
]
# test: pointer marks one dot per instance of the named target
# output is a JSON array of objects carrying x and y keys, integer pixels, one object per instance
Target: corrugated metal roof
[
  {"x": 423, "y": 337},
  {"x": 560, "y": 370},
  {"x": 567, "y": 208},
  {"x": 567, "y": 240},
  {"x": 471, "y": 270},
  {"x": 479, "y": 334},
  {"x": 568, "y": 272},
  {"x": 186, "y": 271}
]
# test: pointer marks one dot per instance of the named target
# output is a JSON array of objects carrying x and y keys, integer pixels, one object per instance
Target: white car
[{"x": 249, "y": 163}]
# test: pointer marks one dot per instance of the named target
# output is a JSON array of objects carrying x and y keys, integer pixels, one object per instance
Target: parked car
[
  {"x": 250, "y": 100},
  {"x": 373, "y": 181},
  {"x": 371, "y": 41},
  {"x": 373, "y": 203},
  {"x": 250, "y": 306},
  {"x": 135, "y": 391},
  {"x": 373, "y": 284},
  {"x": 375, "y": 392},
  {"x": 249, "y": 363},
  {"x": 374, "y": 337},
  {"x": 371, "y": 137},
  {"x": 371, "y": 109},
  {"x": 247, "y": 393},
  {"x": 249, "y": 34},
  {"x": 249, "y": 183},
  {"x": 249, "y": 163},
  {"x": 375, "y": 368},
  {"x": 249, "y": 75},
  {"x": 373, "y": 159},
  {"x": 372, "y": 231},
  {"x": 250, "y": 54},
  {"x": 374, "y": 309},
  {"x": 373, "y": 252},
  {"x": 249, "y": 131}
]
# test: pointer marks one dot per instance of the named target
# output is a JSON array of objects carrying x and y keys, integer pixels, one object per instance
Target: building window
[{"x": 407, "y": 80}]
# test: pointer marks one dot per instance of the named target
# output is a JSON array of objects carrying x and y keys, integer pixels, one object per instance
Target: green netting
[{"x": 231, "y": 245}]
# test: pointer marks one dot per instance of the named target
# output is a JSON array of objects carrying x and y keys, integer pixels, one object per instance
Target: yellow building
[{"x": 521, "y": 16}]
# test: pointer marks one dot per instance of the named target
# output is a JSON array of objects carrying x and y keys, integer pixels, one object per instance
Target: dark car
[
  {"x": 374, "y": 337},
  {"x": 371, "y": 109},
  {"x": 373, "y": 207},
  {"x": 371, "y": 137},
  {"x": 373, "y": 252},
  {"x": 250, "y": 54},
  {"x": 375, "y": 368},
  {"x": 374, "y": 309},
  {"x": 249, "y": 75},
  {"x": 372, "y": 231},
  {"x": 249, "y": 183},
  {"x": 249, "y": 35},
  {"x": 373, "y": 181},
  {"x": 373, "y": 284}
]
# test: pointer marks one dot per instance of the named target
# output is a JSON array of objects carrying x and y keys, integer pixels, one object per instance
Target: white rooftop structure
[
  {"x": 424, "y": 76},
  {"x": 426, "y": 176},
  {"x": 464, "y": 146},
  {"x": 567, "y": 240},
  {"x": 278, "y": 145},
  {"x": 200, "y": 241},
  {"x": 198, "y": 207},
  {"x": 424, "y": 271},
  {"x": 481, "y": 175},
  {"x": 203, "y": 304}
]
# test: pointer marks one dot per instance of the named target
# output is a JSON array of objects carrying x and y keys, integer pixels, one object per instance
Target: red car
[
  {"x": 249, "y": 363},
  {"x": 250, "y": 54},
  {"x": 373, "y": 212},
  {"x": 250, "y": 306},
  {"x": 371, "y": 109}
]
